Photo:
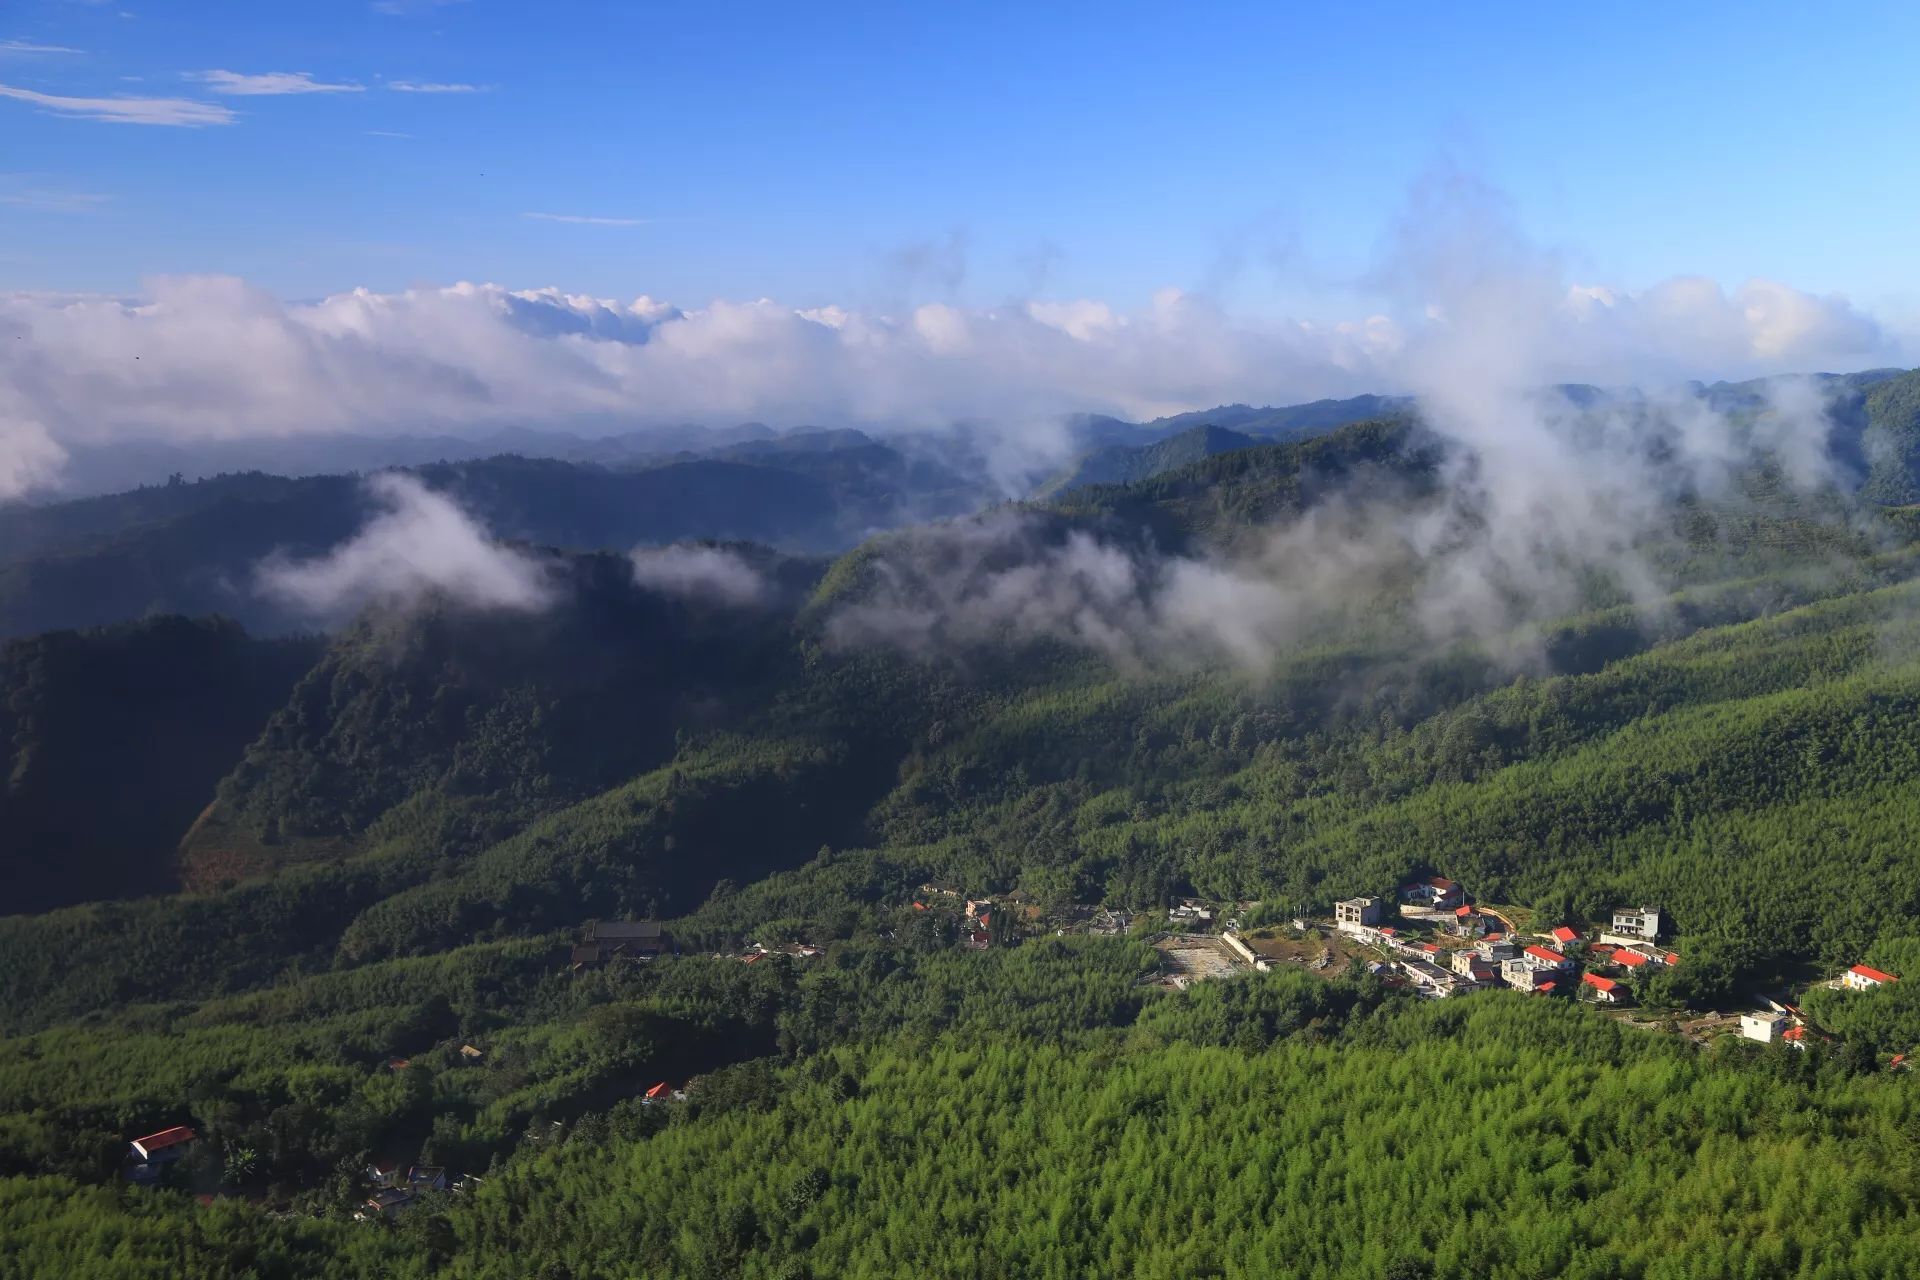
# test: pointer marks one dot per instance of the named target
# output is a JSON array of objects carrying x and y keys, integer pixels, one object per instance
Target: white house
[
  {"x": 1861, "y": 978},
  {"x": 1764, "y": 1027},
  {"x": 1641, "y": 923}
]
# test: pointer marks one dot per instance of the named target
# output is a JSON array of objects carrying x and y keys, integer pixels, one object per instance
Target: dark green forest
[{"x": 317, "y": 897}]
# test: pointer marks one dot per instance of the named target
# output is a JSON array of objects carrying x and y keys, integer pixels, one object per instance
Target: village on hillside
[{"x": 1425, "y": 937}]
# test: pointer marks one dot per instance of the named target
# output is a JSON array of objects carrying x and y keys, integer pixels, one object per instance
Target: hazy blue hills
[{"x": 1124, "y": 464}]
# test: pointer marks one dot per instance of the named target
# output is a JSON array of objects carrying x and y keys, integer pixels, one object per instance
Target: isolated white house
[{"x": 1861, "y": 978}]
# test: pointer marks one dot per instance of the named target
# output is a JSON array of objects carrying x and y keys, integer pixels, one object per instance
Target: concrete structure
[
  {"x": 1431, "y": 979},
  {"x": 1522, "y": 974},
  {"x": 1354, "y": 914},
  {"x": 1240, "y": 948},
  {"x": 1435, "y": 893},
  {"x": 1640, "y": 924},
  {"x": 1764, "y": 1027},
  {"x": 1472, "y": 967}
]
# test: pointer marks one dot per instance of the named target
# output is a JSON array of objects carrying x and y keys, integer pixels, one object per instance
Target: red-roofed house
[
  {"x": 659, "y": 1091},
  {"x": 1795, "y": 1036},
  {"x": 1605, "y": 990},
  {"x": 1671, "y": 958},
  {"x": 1549, "y": 957},
  {"x": 168, "y": 1144},
  {"x": 1546, "y": 988},
  {"x": 1566, "y": 933},
  {"x": 1861, "y": 978},
  {"x": 1631, "y": 959}
]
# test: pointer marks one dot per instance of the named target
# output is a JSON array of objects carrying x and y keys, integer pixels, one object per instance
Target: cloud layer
[{"x": 211, "y": 357}]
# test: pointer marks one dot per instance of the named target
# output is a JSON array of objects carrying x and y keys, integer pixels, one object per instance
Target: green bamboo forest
[{"x": 868, "y": 923}]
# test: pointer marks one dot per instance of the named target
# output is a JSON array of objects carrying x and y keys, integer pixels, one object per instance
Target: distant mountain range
[
  {"x": 1124, "y": 464},
  {"x": 193, "y": 546}
]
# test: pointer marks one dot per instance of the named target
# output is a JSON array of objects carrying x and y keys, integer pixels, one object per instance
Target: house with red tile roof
[
  {"x": 1861, "y": 978},
  {"x": 1566, "y": 933},
  {"x": 1547, "y": 957},
  {"x": 1605, "y": 990}
]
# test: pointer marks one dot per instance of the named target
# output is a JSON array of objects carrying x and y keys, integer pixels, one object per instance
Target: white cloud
[
  {"x": 586, "y": 220},
  {"x": 268, "y": 83},
  {"x": 407, "y": 8},
  {"x": 385, "y": 133},
  {"x": 218, "y": 358},
  {"x": 182, "y": 113},
  {"x": 436, "y": 86},
  {"x": 707, "y": 573},
  {"x": 420, "y": 543},
  {"x": 18, "y": 192},
  {"x": 29, "y": 46}
]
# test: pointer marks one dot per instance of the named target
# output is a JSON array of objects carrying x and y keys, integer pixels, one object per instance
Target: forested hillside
[
  {"x": 1053, "y": 707},
  {"x": 1124, "y": 464},
  {"x": 115, "y": 739}
]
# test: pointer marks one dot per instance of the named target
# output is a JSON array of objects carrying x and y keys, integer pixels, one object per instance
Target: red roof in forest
[
  {"x": 1794, "y": 1033},
  {"x": 1597, "y": 982},
  {"x": 165, "y": 1138},
  {"x": 1463, "y": 912},
  {"x": 1672, "y": 957},
  {"x": 1631, "y": 959},
  {"x": 1443, "y": 884},
  {"x": 1565, "y": 933},
  {"x": 1546, "y": 986},
  {"x": 660, "y": 1090},
  {"x": 1431, "y": 948},
  {"x": 1546, "y": 953},
  {"x": 1872, "y": 975}
]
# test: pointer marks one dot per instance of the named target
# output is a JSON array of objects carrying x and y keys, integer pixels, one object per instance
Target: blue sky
[{"x": 861, "y": 154}]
